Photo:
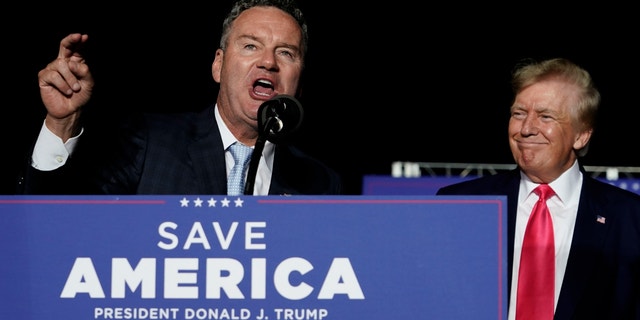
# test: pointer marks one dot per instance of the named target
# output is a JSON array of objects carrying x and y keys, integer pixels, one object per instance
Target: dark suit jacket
[
  {"x": 602, "y": 279},
  {"x": 171, "y": 153}
]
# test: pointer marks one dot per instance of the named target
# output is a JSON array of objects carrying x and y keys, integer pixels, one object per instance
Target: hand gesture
[{"x": 66, "y": 84}]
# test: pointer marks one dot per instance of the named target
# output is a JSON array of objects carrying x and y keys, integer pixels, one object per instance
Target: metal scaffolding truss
[{"x": 446, "y": 169}]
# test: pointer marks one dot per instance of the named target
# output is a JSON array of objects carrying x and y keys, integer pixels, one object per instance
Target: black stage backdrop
[{"x": 383, "y": 83}]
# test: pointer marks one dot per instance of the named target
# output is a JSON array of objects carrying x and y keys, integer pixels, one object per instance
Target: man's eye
[{"x": 286, "y": 53}]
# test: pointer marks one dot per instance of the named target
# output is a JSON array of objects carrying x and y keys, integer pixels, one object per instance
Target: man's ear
[
  {"x": 582, "y": 139},
  {"x": 300, "y": 86},
  {"x": 216, "y": 66}
]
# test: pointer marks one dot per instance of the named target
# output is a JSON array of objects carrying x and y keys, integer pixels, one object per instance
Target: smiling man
[{"x": 594, "y": 236}]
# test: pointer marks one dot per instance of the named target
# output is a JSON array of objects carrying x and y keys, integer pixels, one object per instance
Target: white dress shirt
[
  {"x": 50, "y": 152},
  {"x": 265, "y": 167},
  {"x": 564, "y": 209}
]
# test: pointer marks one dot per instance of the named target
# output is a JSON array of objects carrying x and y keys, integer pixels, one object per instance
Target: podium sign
[{"x": 253, "y": 257}]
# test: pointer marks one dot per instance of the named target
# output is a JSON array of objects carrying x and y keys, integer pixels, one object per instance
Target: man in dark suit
[
  {"x": 261, "y": 56},
  {"x": 596, "y": 226}
]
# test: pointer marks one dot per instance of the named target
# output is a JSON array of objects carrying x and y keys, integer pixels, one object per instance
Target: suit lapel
[
  {"x": 588, "y": 237},
  {"x": 278, "y": 184},
  {"x": 207, "y": 154},
  {"x": 511, "y": 187}
]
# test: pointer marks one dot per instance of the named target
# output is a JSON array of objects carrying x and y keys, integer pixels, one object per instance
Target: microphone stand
[
  {"x": 256, "y": 155},
  {"x": 272, "y": 115}
]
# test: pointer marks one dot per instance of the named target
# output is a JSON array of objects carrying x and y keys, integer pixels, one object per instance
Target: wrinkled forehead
[{"x": 269, "y": 22}]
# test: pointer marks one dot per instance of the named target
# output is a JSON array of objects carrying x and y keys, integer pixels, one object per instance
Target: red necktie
[{"x": 536, "y": 278}]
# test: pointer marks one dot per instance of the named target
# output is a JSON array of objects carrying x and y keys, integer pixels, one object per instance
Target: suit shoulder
[
  {"x": 485, "y": 185},
  {"x": 299, "y": 168},
  {"x": 172, "y": 125},
  {"x": 612, "y": 192}
]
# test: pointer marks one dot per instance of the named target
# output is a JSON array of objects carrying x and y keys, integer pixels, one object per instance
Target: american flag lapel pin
[{"x": 600, "y": 219}]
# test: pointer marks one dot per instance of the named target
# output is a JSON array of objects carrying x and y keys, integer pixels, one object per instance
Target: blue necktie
[{"x": 235, "y": 180}]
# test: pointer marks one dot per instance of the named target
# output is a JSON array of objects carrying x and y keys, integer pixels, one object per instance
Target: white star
[
  {"x": 212, "y": 203},
  {"x": 225, "y": 202},
  {"x": 184, "y": 202},
  {"x": 198, "y": 202},
  {"x": 238, "y": 202}
]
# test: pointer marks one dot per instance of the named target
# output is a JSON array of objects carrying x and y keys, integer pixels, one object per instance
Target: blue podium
[{"x": 253, "y": 257}]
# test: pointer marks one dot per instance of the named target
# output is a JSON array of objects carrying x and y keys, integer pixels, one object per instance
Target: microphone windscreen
[{"x": 279, "y": 117}]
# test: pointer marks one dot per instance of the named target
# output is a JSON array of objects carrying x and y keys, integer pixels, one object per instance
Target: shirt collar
[
  {"x": 566, "y": 187},
  {"x": 226, "y": 135}
]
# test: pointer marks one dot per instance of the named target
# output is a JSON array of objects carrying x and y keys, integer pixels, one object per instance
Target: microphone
[{"x": 278, "y": 118}]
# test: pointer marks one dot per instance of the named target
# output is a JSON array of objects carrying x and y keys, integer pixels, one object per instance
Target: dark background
[{"x": 394, "y": 82}]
